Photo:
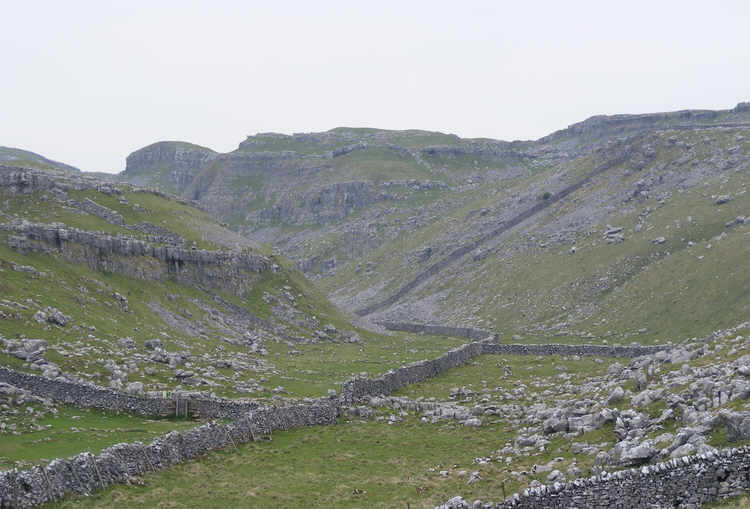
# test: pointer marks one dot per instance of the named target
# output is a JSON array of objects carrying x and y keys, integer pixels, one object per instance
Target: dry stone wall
[
  {"x": 458, "y": 253},
  {"x": 358, "y": 388},
  {"x": 101, "y": 211},
  {"x": 438, "y": 330},
  {"x": 86, "y": 472},
  {"x": 556, "y": 349},
  {"x": 364, "y": 387},
  {"x": 93, "y": 396},
  {"x": 686, "y": 482}
]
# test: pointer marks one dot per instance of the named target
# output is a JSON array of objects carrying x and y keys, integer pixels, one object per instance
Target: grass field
[
  {"x": 74, "y": 430},
  {"x": 349, "y": 465},
  {"x": 488, "y": 372}
]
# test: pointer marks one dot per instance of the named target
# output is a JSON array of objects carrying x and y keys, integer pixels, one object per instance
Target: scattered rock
[{"x": 722, "y": 199}]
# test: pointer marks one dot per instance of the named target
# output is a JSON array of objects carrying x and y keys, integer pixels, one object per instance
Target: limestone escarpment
[
  {"x": 17, "y": 180},
  {"x": 331, "y": 203},
  {"x": 322, "y": 200},
  {"x": 180, "y": 162},
  {"x": 593, "y": 130},
  {"x": 138, "y": 258}
]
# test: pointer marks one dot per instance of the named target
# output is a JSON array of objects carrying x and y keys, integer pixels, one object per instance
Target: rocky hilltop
[{"x": 175, "y": 164}]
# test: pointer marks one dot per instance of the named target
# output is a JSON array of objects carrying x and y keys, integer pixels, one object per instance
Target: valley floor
[{"x": 386, "y": 454}]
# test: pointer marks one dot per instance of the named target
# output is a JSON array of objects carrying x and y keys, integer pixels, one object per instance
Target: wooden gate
[{"x": 181, "y": 407}]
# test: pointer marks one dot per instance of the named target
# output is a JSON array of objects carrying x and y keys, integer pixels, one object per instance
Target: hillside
[
  {"x": 25, "y": 159},
  {"x": 132, "y": 290},
  {"x": 598, "y": 278},
  {"x": 518, "y": 236}
]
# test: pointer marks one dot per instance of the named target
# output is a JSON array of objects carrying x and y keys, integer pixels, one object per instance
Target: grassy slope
[
  {"x": 667, "y": 289},
  {"x": 392, "y": 264},
  {"x": 678, "y": 291},
  {"x": 487, "y": 371},
  {"x": 342, "y": 466},
  {"x": 740, "y": 502},
  {"x": 362, "y": 464},
  {"x": 98, "y": 320},
  {"x": 26, "y": 159}
]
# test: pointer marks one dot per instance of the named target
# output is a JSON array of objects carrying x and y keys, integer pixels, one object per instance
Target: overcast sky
[{"x": 86, "y": 83}]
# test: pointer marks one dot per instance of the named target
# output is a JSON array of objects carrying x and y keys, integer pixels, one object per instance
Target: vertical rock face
[
  {"x": 140, "y": 259},
  {"x": 16, "y": 180},
  {"x": 174, "y": 165},
  {"x": 331, "y": 203}
]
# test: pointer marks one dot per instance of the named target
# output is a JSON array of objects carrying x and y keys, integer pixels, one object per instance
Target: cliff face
[
  {"x": 17, "y": 180},
  {"x": 331, "y": 203},
  {"x": 583, "y": 135},
  {"x": 170, "y": 165},
  {"x": 275, "y": 180},
  {"x": 156, "y": 254},
  {"x": 140, "y": 259}
]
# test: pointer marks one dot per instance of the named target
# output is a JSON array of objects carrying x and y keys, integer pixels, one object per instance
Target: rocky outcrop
[
  {"x": 331, "y": 203},
  {"x": 689, "y": 482},
  {"x": 737, "y": 425},
  {"x": 161, "y": 234},
  {"x": 140, "y": 259},
  {"x": 182, "y": 162},
  {"x": 601, "y": 127},
  {"x": 157, "y": 233},
  {"x": 15, "y": 180}
]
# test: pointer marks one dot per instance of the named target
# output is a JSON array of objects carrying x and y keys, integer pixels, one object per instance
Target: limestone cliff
[
  {"x": 140, "y": 259},
  {"x": 171, "y": 165}
]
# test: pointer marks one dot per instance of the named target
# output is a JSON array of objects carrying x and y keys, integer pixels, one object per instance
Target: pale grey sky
[{"x": 87, "y": 82}]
